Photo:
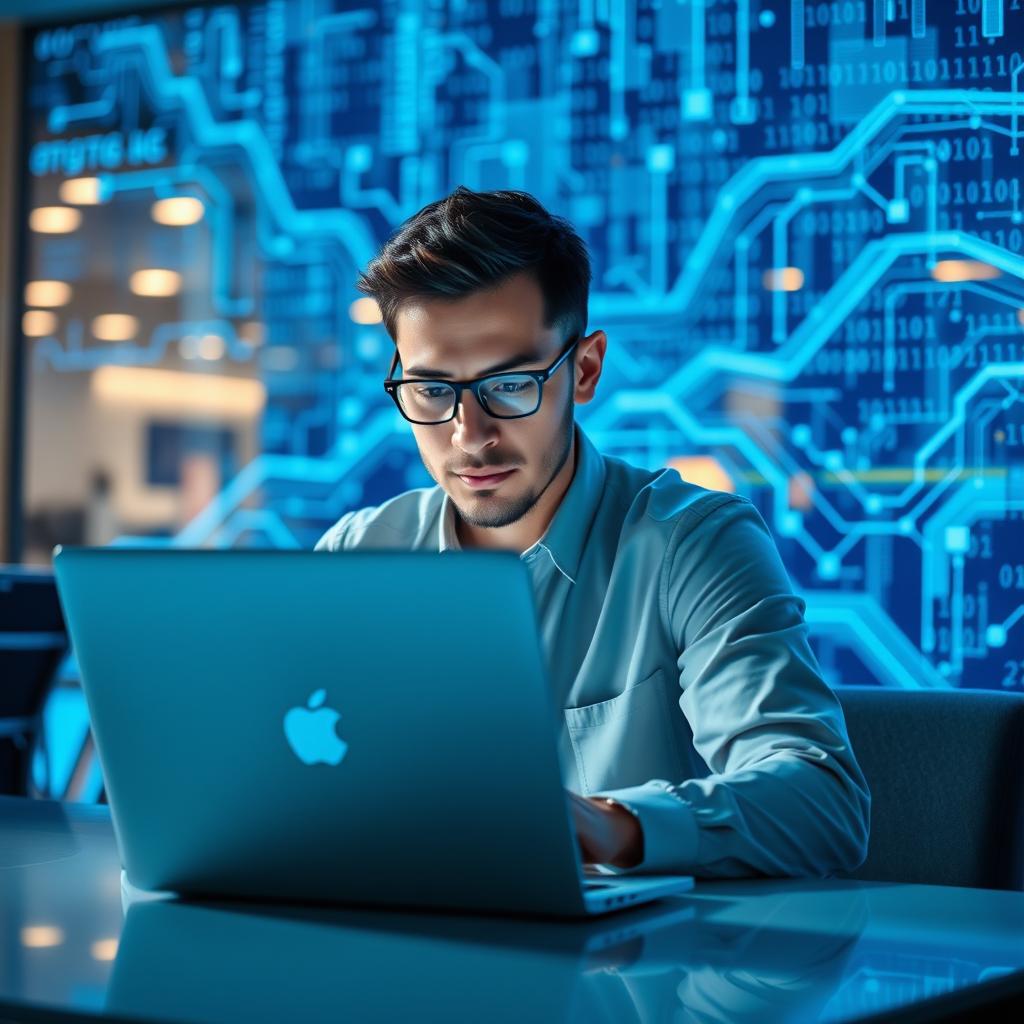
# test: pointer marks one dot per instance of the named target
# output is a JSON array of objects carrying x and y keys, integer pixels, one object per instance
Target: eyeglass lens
[{"x": 509, "y": 396}]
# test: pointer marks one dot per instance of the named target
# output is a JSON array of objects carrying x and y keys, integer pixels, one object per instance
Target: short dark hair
[{"x": 470, "y": 241}]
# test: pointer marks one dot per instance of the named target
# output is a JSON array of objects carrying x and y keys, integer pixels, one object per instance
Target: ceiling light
[
  {"x": 38, "y": 323},
  {"x": 41, "y": 936},
  {"x": 54, "y": 220},
  {"x": 178, "y": 211},
  {"x": 115, "y": 327},
  {"x": 179, "y": 391},
  {"x": 80, "y": 191},
  {"x": 104, "y": 949},
  {"x": 47, "y": 293},
  {"x": 155, "y": 282}
]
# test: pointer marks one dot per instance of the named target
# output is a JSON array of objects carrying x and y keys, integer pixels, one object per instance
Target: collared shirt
[{"x": 679, "y": 653}]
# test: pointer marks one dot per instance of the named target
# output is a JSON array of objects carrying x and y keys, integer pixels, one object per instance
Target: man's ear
[{"x": 588, "y": 362}]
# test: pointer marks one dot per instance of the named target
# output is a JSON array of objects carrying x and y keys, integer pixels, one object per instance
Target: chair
[
  {"x": 946, "y": 774},
  {"x": 32, "y": 642}
]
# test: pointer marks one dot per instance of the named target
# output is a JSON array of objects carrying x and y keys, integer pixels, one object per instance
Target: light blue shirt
[{"x": 679, "y": 652}]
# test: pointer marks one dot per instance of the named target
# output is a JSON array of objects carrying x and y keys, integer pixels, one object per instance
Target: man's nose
[{"x": 474, "y": 429}]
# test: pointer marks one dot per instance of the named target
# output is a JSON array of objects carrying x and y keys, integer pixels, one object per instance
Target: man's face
[{"x": 461, "y": 339}]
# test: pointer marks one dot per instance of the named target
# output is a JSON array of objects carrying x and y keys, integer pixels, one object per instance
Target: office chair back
[
  {"x": 32, "y": 642},
  {"x": 946, "y": 773}
]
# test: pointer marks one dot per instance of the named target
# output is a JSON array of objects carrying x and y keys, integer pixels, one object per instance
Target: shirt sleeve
[{"x": 785, "y": 795}]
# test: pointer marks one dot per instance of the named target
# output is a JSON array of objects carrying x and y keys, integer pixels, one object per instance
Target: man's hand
[{"x": 607, "y": 834}]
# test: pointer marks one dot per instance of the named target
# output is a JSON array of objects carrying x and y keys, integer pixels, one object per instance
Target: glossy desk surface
[{"x": 761, "y": 950}]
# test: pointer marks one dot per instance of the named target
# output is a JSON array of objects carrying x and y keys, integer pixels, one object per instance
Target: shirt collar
[
  {"x": 564, "y": 539},
  {"x": 447, "y": 538}
]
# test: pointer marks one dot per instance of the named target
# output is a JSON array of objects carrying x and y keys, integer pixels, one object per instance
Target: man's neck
[{"x": 524, "y": 532}]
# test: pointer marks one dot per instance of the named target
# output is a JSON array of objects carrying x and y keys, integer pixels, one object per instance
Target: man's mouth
[{"x": 480, "y": 481}]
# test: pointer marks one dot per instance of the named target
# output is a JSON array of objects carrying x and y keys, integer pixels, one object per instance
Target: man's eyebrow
[{"x": 507, "y": 364}]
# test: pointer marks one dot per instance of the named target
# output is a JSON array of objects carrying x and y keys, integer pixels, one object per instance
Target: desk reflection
[{"x": 670, "y": 961}]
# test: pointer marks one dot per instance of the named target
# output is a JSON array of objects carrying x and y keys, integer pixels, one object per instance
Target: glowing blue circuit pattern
[{"x": 806, "y": 227}]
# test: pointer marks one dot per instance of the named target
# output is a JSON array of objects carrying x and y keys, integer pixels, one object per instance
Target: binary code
[{"x": 804, "y": 219}]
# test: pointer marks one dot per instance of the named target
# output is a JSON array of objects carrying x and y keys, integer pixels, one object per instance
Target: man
[{"x": 696, "y": 720}]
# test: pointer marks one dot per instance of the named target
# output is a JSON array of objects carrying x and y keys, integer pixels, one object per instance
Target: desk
[{"x": 71, "y": 943}]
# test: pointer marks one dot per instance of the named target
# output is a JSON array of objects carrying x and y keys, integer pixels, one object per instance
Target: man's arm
[{"x": 786, "y": 796}]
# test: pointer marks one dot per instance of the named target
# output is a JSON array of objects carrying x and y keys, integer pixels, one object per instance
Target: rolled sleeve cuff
[{"x": 669, "y": 829}]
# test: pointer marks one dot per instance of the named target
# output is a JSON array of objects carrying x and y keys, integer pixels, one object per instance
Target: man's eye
[
  {"x": 511, "y": 387},
  {"x": 431, "y": 392}
]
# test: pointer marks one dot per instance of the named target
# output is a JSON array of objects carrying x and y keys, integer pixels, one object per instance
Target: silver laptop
[{"x": 364, "y": 728}]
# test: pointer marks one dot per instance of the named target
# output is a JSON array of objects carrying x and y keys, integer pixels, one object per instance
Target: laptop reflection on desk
[{"x": 217, "y": 962}]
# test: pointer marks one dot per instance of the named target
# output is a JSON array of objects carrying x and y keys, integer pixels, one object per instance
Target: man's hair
[{"x": 471, "y": 241}]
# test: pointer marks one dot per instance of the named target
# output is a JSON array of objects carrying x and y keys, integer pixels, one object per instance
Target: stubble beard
[{"x": 498, "y": 512}]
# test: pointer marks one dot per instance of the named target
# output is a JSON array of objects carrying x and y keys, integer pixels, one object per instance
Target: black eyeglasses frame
[{"x": 458, "y": 386}]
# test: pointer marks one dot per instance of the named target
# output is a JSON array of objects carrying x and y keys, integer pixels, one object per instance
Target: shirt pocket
[{"x": 625, "y": 740}]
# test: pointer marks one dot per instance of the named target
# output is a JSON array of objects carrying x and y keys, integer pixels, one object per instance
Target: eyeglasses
[{"x": 506, "y": 396}]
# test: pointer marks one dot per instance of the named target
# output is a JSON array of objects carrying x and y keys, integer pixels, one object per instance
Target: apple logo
[{"x": 310, "y": 733}]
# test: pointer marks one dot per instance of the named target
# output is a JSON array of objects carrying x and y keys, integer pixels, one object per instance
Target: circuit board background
[{"x": 805, "y": 227}]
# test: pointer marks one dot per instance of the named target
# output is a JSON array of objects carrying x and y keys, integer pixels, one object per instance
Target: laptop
[{"x": 368, "y": 727}]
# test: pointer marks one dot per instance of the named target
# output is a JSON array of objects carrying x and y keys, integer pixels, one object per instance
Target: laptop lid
[{"x": 369, "y": 727}]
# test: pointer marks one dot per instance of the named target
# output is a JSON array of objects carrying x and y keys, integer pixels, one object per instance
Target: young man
[{"x": 696, "y": 720}]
